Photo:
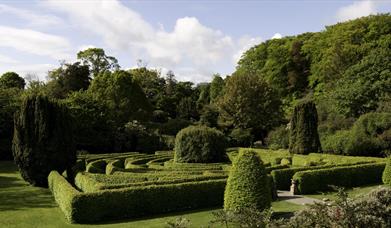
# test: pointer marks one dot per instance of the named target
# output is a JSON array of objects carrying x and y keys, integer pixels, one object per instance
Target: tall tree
[
  {"x": 43, "y": 139},
  {"x": 68, "y": 78},
  {"x": 216, "y": 88},
  {"x": 249, "y": 102},
  {"x": 122, "y": 95},
  {"x": 304, "y": 137},
  {"x": 97, "y": 60}
]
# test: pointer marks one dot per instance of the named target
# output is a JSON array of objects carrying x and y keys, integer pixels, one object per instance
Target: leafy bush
[
  {"x": 303, "y": 137},
  {"x": 387, "y": 173},
  {"x": 311, "y": 181},
  {"x": 200, "y": 144},
  {"x": 43, "y": 139},
  {"x": 372, "y": 210},
  {"x": 247, "y": 184},
  {"x": 278, "y": 138},
  {"x": 245, "y": 217},
  {"x": 241, "y": 137},
  {"x": 369, "y": 136}
]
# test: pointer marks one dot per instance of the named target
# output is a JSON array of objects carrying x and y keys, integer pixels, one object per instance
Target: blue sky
[{"x": 195, "y": 39}]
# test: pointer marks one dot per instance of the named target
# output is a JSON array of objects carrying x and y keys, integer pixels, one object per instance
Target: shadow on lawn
[{"x": 16, "y": 194}]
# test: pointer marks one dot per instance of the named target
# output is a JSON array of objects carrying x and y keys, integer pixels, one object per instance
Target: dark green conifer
[
  {"x": 43, "y": 139},
  {"x": 304, "y": 136}
]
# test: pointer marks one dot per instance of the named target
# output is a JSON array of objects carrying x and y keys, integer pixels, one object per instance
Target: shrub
[
  {"x": 303, "y": 137},
  {"x": 285, "y": 161},
  {"x": 278, "y": 138},
  {"x": 241, "y": 137},
  {"x": 336, "y": 143},
  {"x": 387, "y": 173},
  {"x": 43, "y": 139},
  {"x": 349, "y": 176},
  {"x": 372, "y": 210},
  {"x": 247, "y": 184},
  {"x": 200, "y": 144}
]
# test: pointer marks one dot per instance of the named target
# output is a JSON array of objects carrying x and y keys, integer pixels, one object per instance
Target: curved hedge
[
  {"x": 200, "y": 144},
  {"x": 387, "y": 173},
  {"x": 247, "y": 184},
  {"x": 349, "y": 176}
]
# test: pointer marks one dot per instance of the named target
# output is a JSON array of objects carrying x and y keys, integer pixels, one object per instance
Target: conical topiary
[
  {"x": 247, "y": 184},
  {"x": 43, "y": 139},
  {"x": 304, "y": 137},
  {"x": 387, "y": 173}
]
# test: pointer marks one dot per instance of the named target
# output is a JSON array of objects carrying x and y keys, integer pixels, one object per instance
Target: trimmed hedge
[
  {"x": 135, "y": 201},
  {"x": 64, "y": 194},
  {"x": 98, "y": 166},
  {"x": 387, "y": 173},
  {"x": 283, "y": 177},
  {"x": 200, "y": 144},
  {"x": 350, "y": 176}
]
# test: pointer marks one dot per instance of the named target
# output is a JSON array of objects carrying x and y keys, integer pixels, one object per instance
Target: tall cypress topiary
[
  {"x": 43, "y": 139},
  {"x": 387, "y": 173},
  {"x": 304, "y": 136},
  {"x": 247, "y": 184}
]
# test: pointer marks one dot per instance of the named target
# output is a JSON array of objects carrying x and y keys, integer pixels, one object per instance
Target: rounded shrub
[
  {"x": 247, "y": 184},
  {"x": 200, "y": 144},
  {"x": 278, "y": 138},
  {"x": 43, "y": 139},
  {"x": 387, "y": 173},
  {"x": 304, "y": 137}
]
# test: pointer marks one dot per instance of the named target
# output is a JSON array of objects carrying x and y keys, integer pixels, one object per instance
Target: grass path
[{"x": 24, "y": 206}]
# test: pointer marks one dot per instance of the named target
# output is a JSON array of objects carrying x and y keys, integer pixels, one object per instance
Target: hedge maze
[{"x": 104, "y": 187}]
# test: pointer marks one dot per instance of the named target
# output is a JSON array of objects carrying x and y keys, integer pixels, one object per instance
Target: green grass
[
  {"x": 22, "y": 205},
  {"x": 352, "y": 192}
]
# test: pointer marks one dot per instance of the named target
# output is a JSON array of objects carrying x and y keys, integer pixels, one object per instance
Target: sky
[{"x": 194, "y": 39}]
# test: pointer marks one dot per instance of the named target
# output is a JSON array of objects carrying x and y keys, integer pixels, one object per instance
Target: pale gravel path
[{"x": 296, "y": 199}]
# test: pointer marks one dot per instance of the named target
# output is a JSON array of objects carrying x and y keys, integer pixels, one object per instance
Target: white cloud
[
  {"x": 245, "y": 43},
  {"x": 34, "y": 42},
  {"x": 356, "y": 10},
  {"x": 7, "y": 60},
  {"x": 190, "y": 45},
  {"x": 277, "y": 36},
  {"x": 32, "y": 18},
  {"x": 38, "y": 70}
]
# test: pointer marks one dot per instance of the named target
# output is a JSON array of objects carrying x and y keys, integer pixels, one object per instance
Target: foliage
[
  {"x": 311, "y": 181},
  {"x": 369, "y": 211},
  {"x": 278, "y": 138},
  {"x": 209, "y": 116},
  {"x": 42, "y": 139},
  {"x": 93, "y": 126},
  {"x": 249, "y": 102},
  {"x": 180, "y": 222},
  {"x": 247, "y": 184},
  {"x": 200, "y": 144},
  {"x": 241, "y": 137},
  {"x": 11, "y": 80},
  {"x": 133, "y": 136},
  {"x": 68, "y": 78},
  {"x": 245, "y": 217},
  {"x": 124, "y": 98},
  {"x": 368, "y": 136},
  {"x": 216, "y": 88},
  {"x": 97, "y": 60},
  {"x": 387, "y": 173},
  {"x": 303, "y": 137},
  {"x": 10, "y": 99}
]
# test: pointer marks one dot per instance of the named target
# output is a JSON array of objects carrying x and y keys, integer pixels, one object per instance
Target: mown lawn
[{"x": 25, "y": 206}]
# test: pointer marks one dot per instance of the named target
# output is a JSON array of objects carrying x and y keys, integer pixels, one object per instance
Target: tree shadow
[{"x": 16, "y": 194}]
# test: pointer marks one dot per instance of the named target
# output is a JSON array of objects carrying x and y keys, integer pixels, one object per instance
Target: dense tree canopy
[
  {"x": 97, "y": 60},
  {"x": 249, "y": 102},
  {"x": 12, "y": 80}
]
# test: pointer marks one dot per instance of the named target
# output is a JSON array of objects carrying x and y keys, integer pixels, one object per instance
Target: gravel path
[{"x": 296, "y": 199}]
